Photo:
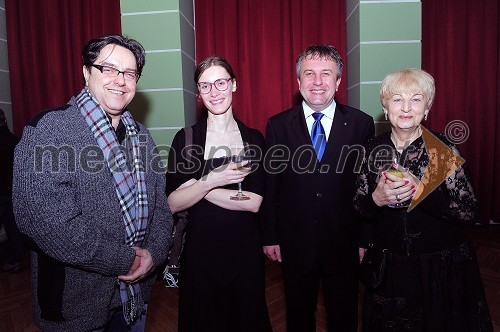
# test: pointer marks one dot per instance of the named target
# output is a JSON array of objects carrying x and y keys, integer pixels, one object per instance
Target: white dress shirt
[{"x": 326, "y": 120}]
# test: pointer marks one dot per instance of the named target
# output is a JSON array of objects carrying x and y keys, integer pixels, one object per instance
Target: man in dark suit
[{"x": 308, "y": 223}]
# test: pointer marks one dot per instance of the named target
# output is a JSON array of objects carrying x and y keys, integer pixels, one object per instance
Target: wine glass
[
  {"x": 396, "y": 169},
  {"x": 239, "y": 155}
]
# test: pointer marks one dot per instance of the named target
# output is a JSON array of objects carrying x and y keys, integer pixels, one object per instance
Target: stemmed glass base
[{"x": 239, "y": 196}]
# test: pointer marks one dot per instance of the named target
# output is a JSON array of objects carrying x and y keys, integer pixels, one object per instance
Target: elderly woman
[{"x": 431, "y": 280}]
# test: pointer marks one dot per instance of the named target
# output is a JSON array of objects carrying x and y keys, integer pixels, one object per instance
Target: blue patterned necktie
[{"x": 318, "y": 135}]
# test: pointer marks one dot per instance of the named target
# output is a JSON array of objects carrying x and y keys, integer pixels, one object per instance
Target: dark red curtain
[
  {"x": 261, "y": 39},
  {"x": 460, "y": 48},
  {"x": 45, "y": 40}
]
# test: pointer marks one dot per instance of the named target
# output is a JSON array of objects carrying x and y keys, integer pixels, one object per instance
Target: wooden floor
[{"x": 16, "y": 313}]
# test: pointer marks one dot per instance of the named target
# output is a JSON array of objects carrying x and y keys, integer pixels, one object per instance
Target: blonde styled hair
[{"x": 408, "y": 81}]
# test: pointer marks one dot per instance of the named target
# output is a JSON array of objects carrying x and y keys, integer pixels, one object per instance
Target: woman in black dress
[
  {"x": 432, "y": 281},
  {"x": 222, "y": 267}
]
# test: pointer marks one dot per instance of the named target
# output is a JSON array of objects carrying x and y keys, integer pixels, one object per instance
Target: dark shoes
[{"x": 7, "y": 267}]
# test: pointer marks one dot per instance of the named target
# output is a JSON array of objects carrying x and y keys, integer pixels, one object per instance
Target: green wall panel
[
  {"x": 390, "y": 21},
  {"x": 188, "y": 68},
  {"x": 165, "y": 98},
  {"x": 353, "y": 96},
  {"x": 187, "y": 10},
  {"x": 132, "y": 6},
  {"x": 163, "y": 139},
  {"x": 159, "y": 108},
  {"x": 377, "y": 60},
  {"x": 154, "y": 31},
  {"x": 140, "y": 107},
  {"x": 351, "y": 73},
  {"x": 162, "y": 70},
  {"x": 4, "y": 63},
  {"x": 190, "y": 107},
  {"x": 351, "y": 5},
  {"x": 4, "y": 86},
  {"x": 187, "y": 38},
  {"x": 382, "y": 36},
  {"x": 353, "y": 33},
  {"x": 5, "y": 98},
  {"x": 3, "y": 24},
  {"x": 370, "y": 100}
]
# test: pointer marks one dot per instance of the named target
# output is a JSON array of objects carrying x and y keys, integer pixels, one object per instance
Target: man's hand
[
  {"x": 273, "y": 252},
  {"x": 143, "y": 263}
]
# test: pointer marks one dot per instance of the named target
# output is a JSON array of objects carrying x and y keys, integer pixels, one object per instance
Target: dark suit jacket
[{"x": 308, "y": 204}]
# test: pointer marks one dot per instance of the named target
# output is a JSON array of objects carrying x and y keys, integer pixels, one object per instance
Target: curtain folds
[
  {"x": 45, "y": 40},
  {"x": 460, "y": 48},
  {"x": 261, "y": 39}
]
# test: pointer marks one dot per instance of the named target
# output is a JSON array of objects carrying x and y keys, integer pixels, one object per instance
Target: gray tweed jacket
[{"x": 65, "y": 201}]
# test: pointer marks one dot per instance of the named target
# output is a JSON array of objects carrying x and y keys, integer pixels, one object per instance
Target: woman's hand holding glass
[
  {"x": 396, "y": 188},
  {"x": 225, "y": 174}
]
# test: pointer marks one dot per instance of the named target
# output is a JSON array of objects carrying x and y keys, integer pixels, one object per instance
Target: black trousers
[
  {"x": 16, "y": 240},
  {"x": 340, "y": 291}
]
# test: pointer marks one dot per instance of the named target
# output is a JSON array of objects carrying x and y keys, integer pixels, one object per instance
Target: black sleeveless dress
[{"x": 222, "y": 284}]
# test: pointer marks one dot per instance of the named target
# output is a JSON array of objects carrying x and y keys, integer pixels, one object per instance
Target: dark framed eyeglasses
[
  {"x": 221, "y": 84},
  {"x": 113, "y": 72}
]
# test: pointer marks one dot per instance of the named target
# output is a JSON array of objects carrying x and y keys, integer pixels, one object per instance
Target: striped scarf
[{"x": 125, "y": 163}]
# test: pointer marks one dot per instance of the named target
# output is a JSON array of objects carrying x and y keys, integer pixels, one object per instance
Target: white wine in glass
[
  {"x": 238, "y": 156},
  {"x": 397, "y": 170}
]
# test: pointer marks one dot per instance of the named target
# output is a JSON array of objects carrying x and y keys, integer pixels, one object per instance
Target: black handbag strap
[
  {"x": 188, "y": 141},
  {"x": 181, "y": 216}
]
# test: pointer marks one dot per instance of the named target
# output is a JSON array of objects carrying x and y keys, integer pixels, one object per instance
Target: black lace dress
[{"x": 432, "y": 282}]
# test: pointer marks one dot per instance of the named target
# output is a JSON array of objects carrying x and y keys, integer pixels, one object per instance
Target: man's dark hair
[{"x": 94, "y": 46}]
